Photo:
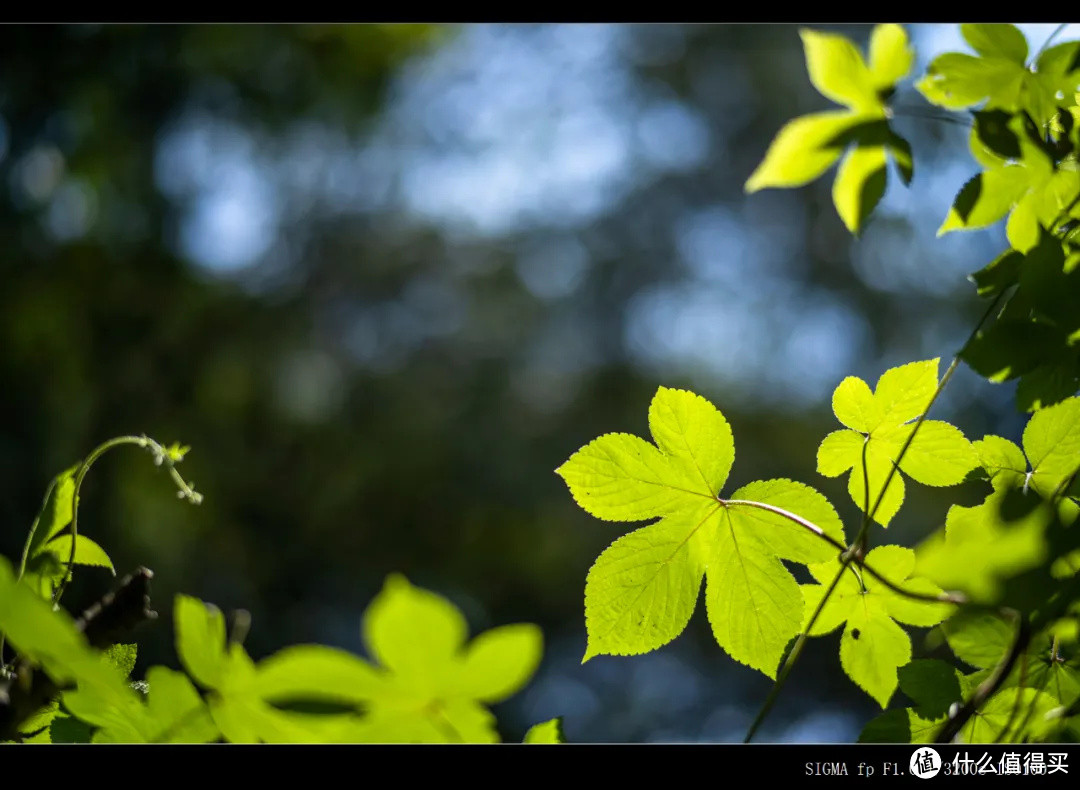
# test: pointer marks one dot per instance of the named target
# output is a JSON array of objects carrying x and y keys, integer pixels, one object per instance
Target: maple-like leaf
[
  {"x": 999, "y": 76},
  {"x": 1026, "y": 186},
  {"x": 873, "y": 645},
  {"x": 809, "y": 145},
  {"x": 641, "y": 591},
  {"x": 430, "y": 684},
  {"x": 878, "y": 424}
]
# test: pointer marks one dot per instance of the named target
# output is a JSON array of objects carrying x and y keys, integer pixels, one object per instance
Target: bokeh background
[{"x": 384, "y": 279}]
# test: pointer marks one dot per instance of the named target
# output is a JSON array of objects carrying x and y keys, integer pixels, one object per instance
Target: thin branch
[
  {"x": 802, "y": 522},
  {"x": 857, "y": 549},
  {"x": 988, "y": 687},
  {"x": 1031, "y": 707},
  {"x": 922, "y": 417},
  {"x": 927, "y": 114},
  {"x": 793, "y": 656},
  {"x": 959, "y": 599},
  {"x": 1015, "y": 711},
  {"x": 945, "y": 597},
  {"x": 1057, "y": 32},
  {"x": 25, "y": 557},
  {"x": 161, "y": 456}
]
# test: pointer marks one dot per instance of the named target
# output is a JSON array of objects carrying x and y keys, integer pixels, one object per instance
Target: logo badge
[{"x": 925, "y": 763}]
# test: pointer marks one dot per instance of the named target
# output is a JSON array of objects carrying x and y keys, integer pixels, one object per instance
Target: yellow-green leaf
[
  {"x": 859, "y": 185},
  {"x": 891, "y": 56},
  {"x": 838, "y": 71},
  {"x": 803, "y": 149}
]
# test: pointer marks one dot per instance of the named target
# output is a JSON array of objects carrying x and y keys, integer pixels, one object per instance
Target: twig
[{"x": 988, "y": 687}]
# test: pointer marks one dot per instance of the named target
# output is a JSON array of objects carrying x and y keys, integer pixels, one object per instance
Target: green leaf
[
  {"x": 68, "y": 729},
  {"x": 994, "y": 129},
  {"x": 979, "y": 639},
  {"x": 996, "y": 41},
  {"x": 1010, "y": 348},
  {"x": 859, "y": 185},
  {"x": 806, "y": 147},
  {"x": 435, "y": 635},
  {"x": 87, "y": 552},
  {"x": 37, "y": 728},
  {"x": 957, "y": 81},
  {"x": 905, "y": 392},
  {"x": 1000, "y": 274},
  {"x": 431, "y": 683},
  {"x": 1023, "y": 228},
  {"x": 620, "y": 477},
  {"x": 122, "y": 656},
  {"x": 547, "y": 732},
  {"x": 174, "y": 711},
  {"x": 752, "y": 601},
  {"x": 57, "y": 511},
  {"x": 458, "y": 721},
  {"x": 1052, "y": 444},
  {"x": 429, "y": 687},
  {"x": 787, "y": 539},
  {"x": 879, "y": 427},
  {"x": 642, "y": 590},
  {"x": 200, "y": 640},
  {"x": 1000, "y": 77},
  {"x": 987, "y": 198},
  {"x": 1060, "y": 681},
  {"x": 498, "y": 663},
  {"x": 873, "y": 646},
  {"x": 980, "y": 548},
  {"x": 802, "y": 150},
  {"x": 982, "y": 152},
  {"x": 871, "y": 649},
  {"x": 891, "y": 56},
  {"x": 1003, "y": 461},
  {"x": 939, "y": 455},
  {"x": 989, "y": 721},
  {"x": 855, "y": 405},
  {"x": 900, "y": 725},
  {"x": 932, "y": 685},
  {"x": 50, "y": 638},
  {"x": 1048, "y": 384},
  {"x": 1035, "y": 337},
  {"x": 838, "y": 71},
  {"x": 248, "y": 719},
  {"x": 1062, "y": 60},
  {"x": 838, "y": 451},
  {"x": 1051, "y": 292},
  {"x": 316, "y": 673},
  {"x": 903, "y": 158}
]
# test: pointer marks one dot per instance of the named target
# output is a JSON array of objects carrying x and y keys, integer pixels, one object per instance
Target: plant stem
[
  {"x": 1015, "y": 711},
  {"x": 988, "y": 687},
  {"x": 25, "y": 556},
  {"x": 161, "y": 455},
  {"x": 793, "y": 656},
  {"x": 945, "y": 597},
  {"x": 857, "y": 549},
  {"x": 928, "y": 114},
  {"x": 802, "y": 522},
  {"x": 1057, "y": 32},
  {"x": 1031, "y": 708}
]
